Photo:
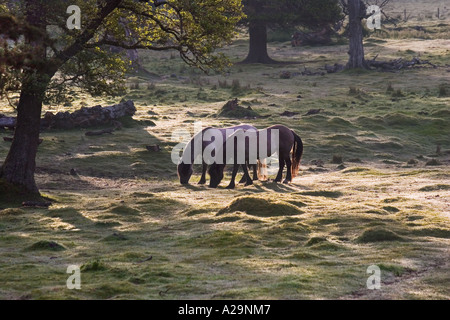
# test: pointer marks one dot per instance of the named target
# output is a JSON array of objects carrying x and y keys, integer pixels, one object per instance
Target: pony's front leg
[
  {"x": 233, "y": 177},
  {"x": 247, "y": 176},
  {"x": 243, "y": 179},
  {"x": 203, "y": 178}
]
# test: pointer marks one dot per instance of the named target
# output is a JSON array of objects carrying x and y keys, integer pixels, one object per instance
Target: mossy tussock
[
  {"x": 11, "y": 212},
  {"x": 378, "y": 234},
  {"x": 394, "y": 269},
  {"x": 435, "y": 187},
  {"x": 94, "y": 266},
  {"x": 46, "y": 245},
  {"x": 123, "y": 210},
  {"x": 261, "y": 207},
  {"x": 115, "y": 237},
  {"x": 355, "y": 169},
  {"x": 432, "y": 232},
  {"x": 225, "y": 239}
]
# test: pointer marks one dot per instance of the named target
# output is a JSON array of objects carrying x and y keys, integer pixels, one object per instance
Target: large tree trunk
[
  {"x": 20, "y": 163},
  {"x": 258, "y": 44},
  {"x": 19, "y": 166},
  {"x": 356, "y": 12}
]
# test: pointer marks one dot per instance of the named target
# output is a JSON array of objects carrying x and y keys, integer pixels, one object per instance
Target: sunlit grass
[{"x": 137, "y": 234}]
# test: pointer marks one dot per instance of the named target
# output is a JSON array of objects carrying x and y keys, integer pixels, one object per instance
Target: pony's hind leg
[
  {"x": 255, "y": 172},
  {"x": 280, "y": 171},
  {"x": 289, "y": 169},
  {"x": 203, "y": 178}
]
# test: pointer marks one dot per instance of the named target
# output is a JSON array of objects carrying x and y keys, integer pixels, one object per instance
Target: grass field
[{"x": 137, "y": 233}]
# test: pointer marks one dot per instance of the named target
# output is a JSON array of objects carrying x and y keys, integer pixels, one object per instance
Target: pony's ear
[{"x": 235, "y": 133}]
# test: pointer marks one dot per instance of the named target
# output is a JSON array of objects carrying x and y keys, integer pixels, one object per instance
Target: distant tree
[
  {"x": 40, "y": 57},
  {"x": 262, "y": 14},
  {"x": 357, "y": 11}
]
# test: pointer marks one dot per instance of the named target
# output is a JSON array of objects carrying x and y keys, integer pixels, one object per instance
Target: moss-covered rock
[{"x": 232, "y": 109}]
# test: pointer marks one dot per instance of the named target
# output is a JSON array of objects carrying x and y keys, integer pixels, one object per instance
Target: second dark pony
[{"x": 279, "y": 139}]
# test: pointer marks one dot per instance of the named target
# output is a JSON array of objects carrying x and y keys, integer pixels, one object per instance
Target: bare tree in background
[{"x": 357, "y": 11}]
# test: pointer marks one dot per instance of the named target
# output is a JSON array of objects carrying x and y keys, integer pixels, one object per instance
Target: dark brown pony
[
  {"x": 185, "y": 170},
  {"x": 288, "y": 141}
]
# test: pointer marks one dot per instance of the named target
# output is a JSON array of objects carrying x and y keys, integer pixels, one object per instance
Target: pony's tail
[
  {"x": 297, "y": 153},
  {"x": 262, "y": 170}
]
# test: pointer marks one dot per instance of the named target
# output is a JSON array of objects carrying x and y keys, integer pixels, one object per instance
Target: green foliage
[
  {"x": 89, "y": 58},
  {"x": 288, "y": 13}
]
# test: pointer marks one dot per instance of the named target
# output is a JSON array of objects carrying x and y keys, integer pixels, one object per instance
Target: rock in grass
[
  {"x": 261, "y": 207},
  {"x": 378, "y": 235},
  {"x": 232, "y": 110},
  {"x": 433, "y": 162},
  {"x": 337, "y": 159},
  {"x": 46, "y": 245}
]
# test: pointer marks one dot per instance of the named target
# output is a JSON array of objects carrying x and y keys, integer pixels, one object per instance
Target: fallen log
[
  {"x": 36, "y": 204},
  {"x": 398, "y": 64},
  {"x": 89, "y": 117},
  {"x": 82, "y": 118}
]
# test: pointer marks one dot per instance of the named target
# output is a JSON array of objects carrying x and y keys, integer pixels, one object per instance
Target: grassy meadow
[{"x": 374, "y": 185}]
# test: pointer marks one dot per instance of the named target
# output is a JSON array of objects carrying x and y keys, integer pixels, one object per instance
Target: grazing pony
[
  {"x": 185, "y": 170},
  {"x": 286, "y": 141}
]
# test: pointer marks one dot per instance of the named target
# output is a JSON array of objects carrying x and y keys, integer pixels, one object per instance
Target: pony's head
[
  {"x": 184, "y": 172},
  {"x": 216, "y": 174}
]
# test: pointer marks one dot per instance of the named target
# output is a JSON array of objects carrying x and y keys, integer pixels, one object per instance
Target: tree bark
[
  {"x": 356, "y": 12},
  {"x": 258, "y": 44},
  {"x": 20, "y": 163}
]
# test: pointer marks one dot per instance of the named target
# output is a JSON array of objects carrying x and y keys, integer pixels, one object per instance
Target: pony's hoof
[
  {"x": 249, "y": 183},
  {"x": 201, "y": 182},
  {"x": 230, "y": 187},
  {"x": 286, "y": 181},
  {"x": 277, "y": 181}
]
